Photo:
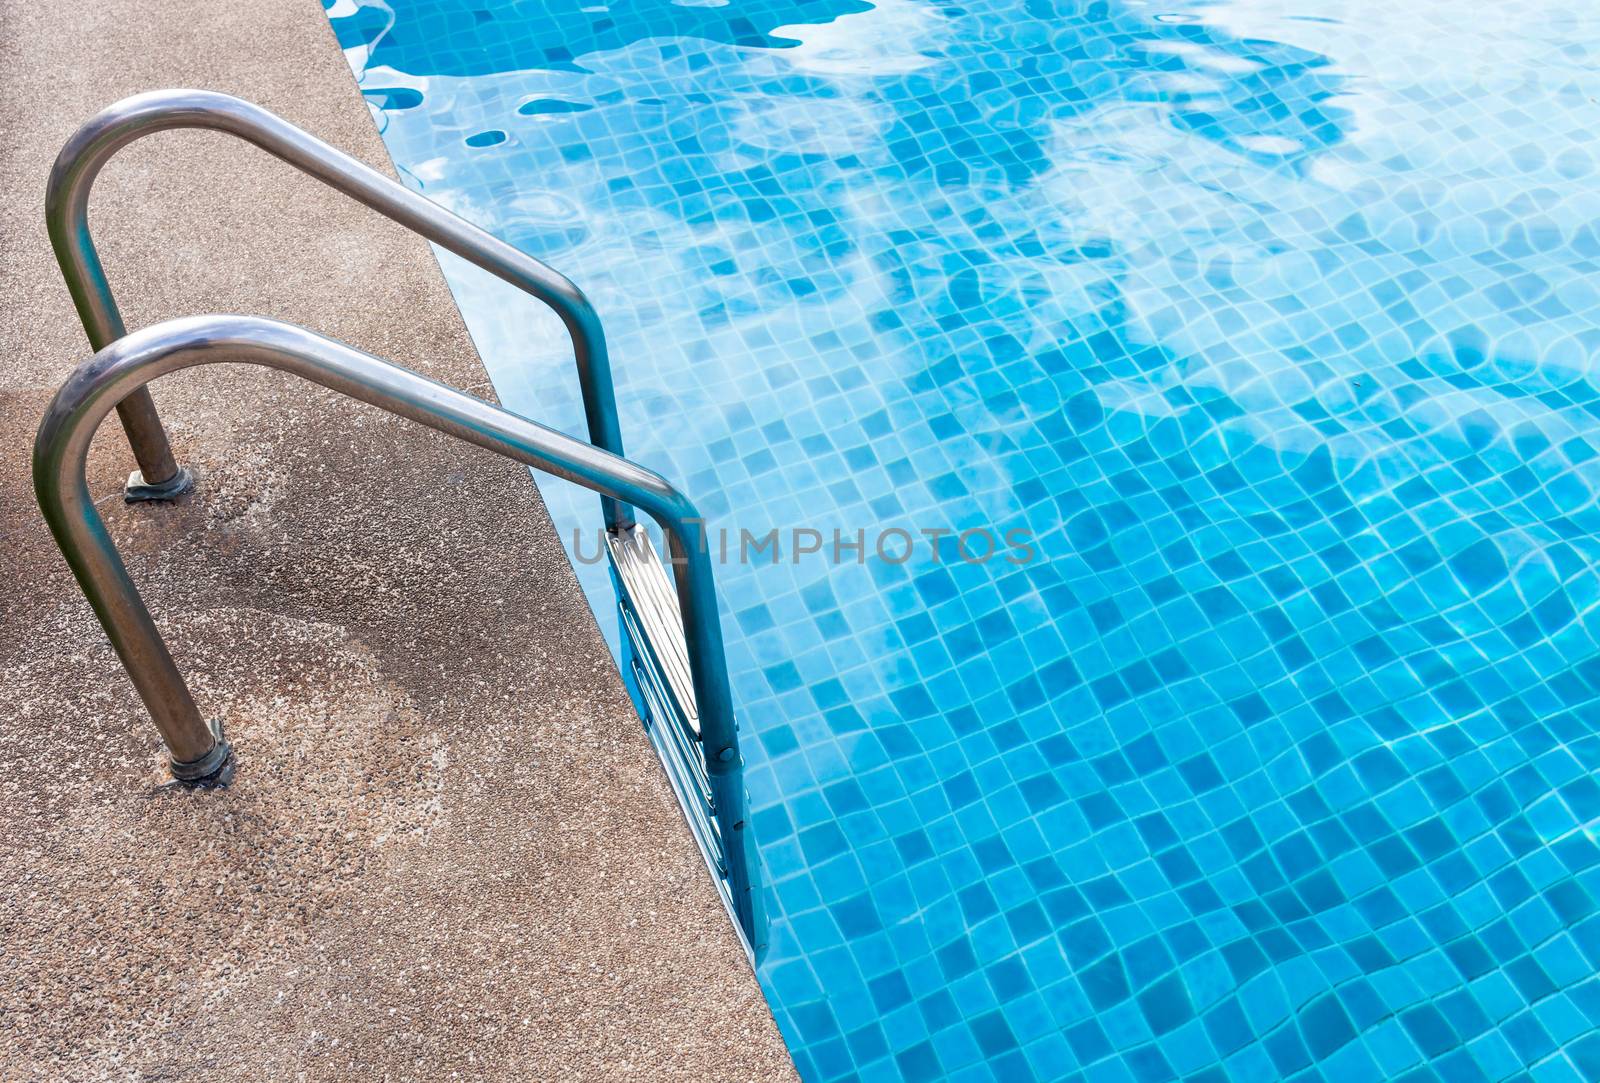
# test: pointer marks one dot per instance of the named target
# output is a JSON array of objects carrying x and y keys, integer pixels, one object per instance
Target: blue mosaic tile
[{"x": 1271, "y": 325}]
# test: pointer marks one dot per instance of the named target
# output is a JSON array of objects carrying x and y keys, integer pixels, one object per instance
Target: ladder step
[{"x": 654, "y": 600}]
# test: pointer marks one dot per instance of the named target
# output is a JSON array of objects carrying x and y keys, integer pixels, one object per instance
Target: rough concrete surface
[{"x": 449, "y": 851}]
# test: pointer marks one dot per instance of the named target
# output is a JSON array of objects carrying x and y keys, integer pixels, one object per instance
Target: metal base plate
[
  {"x": 215, "y": 768},
  {"x": 139, "y": 491}
]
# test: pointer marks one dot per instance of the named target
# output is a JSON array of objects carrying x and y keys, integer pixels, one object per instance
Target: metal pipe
[
  {"x": 91, "y": 146},
  {"x": 133, "y": 361}
]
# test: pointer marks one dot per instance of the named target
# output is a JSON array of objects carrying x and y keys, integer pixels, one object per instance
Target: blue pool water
[{"x": 1274, "y": 323}]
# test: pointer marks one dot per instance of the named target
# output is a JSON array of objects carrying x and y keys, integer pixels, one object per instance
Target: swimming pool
[{"x": 1271, "y": 325}]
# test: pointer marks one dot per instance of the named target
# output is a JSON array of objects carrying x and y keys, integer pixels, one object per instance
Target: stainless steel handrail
[
  {"x": 91, "y": 146},
  {"x": 199, "y": 751}
]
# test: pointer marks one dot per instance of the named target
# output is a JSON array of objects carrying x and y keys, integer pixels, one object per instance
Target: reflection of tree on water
[
  {"x": 455, "y": 39},
  {"x": 1007, "y": 78},
  {"x": 1019, "y": 69}
]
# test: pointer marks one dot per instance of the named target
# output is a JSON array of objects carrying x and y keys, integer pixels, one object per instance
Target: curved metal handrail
[
  {"x": 92, "y": 145},
  {"x": 199, "y": 751}
]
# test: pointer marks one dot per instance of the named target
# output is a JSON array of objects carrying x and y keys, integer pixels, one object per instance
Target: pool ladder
[{"x": 671, "y": 621}]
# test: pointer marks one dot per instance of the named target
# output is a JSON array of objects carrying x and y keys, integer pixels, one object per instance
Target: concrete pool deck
[{"x": 449, "y": 851}]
